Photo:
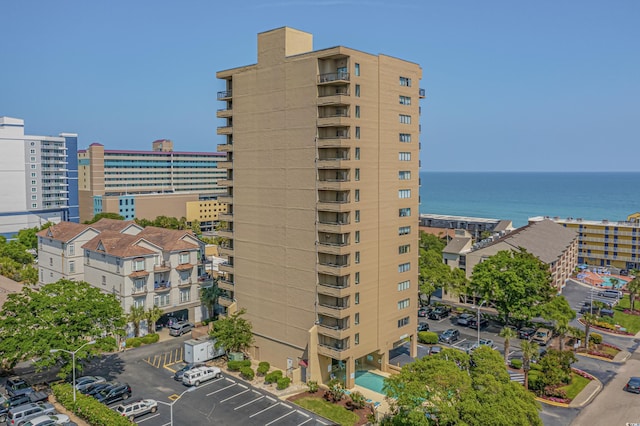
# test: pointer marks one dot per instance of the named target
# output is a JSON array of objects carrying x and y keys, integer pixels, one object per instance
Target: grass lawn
[
  {"x": 331, "y": 411},
  {"x": 630, "y": 322},
  {"x": 608, "y": 350},
  {"x": 577, "y": 384}
]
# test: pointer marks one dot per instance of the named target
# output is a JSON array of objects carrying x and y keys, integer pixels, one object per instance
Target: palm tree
[
  {"x": 588, "y": 319},
  {"x": 562, "y": 327},
  {"x": 529, "y": 352},
  {"x": 576, "y": 333},
  {"x": 507, "y": 333},
  {"x": 136, "y": 314},
  {"x": 152, "y": 315},
  {"x": 633, "y": 287},
  {"x": 209, "y": 297}
]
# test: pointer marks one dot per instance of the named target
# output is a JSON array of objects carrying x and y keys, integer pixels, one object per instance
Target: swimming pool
[
  {"x": 606, "y": 282},
  {"x": 370, "y": 381}
]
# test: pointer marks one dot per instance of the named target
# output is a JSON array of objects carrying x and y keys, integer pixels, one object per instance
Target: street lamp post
[
  {"x": 73, "y": 362},
  {"x": 478, "y": 319},
  {"x": 170, "y": 404}
]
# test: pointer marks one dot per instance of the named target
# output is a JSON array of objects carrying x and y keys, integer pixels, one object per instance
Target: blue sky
[{"x": 511, "y": 85}]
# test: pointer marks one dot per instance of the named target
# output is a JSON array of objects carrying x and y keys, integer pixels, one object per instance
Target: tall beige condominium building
[{"x": 322, "y": 222}]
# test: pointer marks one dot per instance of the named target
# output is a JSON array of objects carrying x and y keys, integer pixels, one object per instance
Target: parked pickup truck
[
  {"x": 137, "y": 408},
  {"x": 8, "y": 402},
  {"x": 16, "y": 386},
  {"x": 542, "y": 336},
  {"x": 200, "y": 375}
]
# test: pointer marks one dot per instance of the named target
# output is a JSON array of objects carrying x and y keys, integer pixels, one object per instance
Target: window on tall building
[
  {"x": 357, "y": 256},
  {"x": 185, "y": 295},
  {"x": 405, "y": 137},
  {"x": 404, "y": 230},
  {"x": 357, "y": 195},
  {"x": 72, "y": 267},
  {"x": 405, "y": 100},
  {"x": 404, "y": 212},
  {"x": 357, "y": 70},
  {"x": 403, "y": 304},
  {"x": 357, "y": 111},
  {"x": 138, "y": 302},
  {"x": 71, "y": 248},
  {"x": 405, "y": 119},
  {"x": 356, "y": 318},
  {"x": 357, "y": 132},
  {"x": 357, "y": 153},
  {"x": 357, "y": 174},
  {"x": 184, "y": 258},
  {"x": 357, "y": 298},
  {"x": 357, "y": 215},
  {"x": 357, "y": 236},
  {"x": 357, "y": 90},
  {"x": 404, "y": 193},
  {"x": 403, "y": 249},
  {"x": 357, "y": 278},
  {"x": 404, "y": 285},
  {"x": 403, "y": 322},
  {"x": 405, "y": 81},
  {"x": 404, "y": 156},
  {"x": 138, "y": 264},
  {"x": 404, "y": 175},
  {"x": 404, "y": 267},
  {"x": 356, "y": 338},
  {"x": 34, "y": 197}
]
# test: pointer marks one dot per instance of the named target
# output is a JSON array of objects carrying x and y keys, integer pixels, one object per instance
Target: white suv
[{"x": 199, "y": 375}]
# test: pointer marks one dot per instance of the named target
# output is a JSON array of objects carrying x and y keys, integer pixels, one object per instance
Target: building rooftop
[
  {"x": 63, "y": 231},
  {"x": 125, "y": 245},
  {"x": 458, "y": 218},
  {"x": 457, "y": 245},
  {"x": 579, "y": 220}
]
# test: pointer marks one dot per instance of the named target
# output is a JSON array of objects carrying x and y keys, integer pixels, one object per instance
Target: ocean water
[{"x": 517, "y": 196}]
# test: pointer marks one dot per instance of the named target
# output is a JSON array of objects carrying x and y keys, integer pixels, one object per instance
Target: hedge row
[
  {"x": 237, "y": 365},
  {"x": 88, "y": 408},
  {"x": 273, "y": 377},
  {"x": 428, "y": 337},
  {"x": 134, "y": 342}
]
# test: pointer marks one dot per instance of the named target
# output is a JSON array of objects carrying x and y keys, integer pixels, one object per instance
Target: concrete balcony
[
  {"x": 226, "y": 147},
  {"x": 334, "y": 311},
  {"x": 226, "y": 285},
  {"x": 226, "y": 267},
  {"x": 335, "y": 185},
  {"x": 333, "y": 248},
  {"x": 333, "y": 291},
  {"x": 224, "y": 95},
  {"x": 336, "y": 142},
  {"x": 342, "y": 206},
  {"x": 334, "y": 163},
  {"x": 224, "y": 113},
  {"x": 225, "y": 164},
  {"x": 333, "y": 331},
  {"x": 226, "y": 250},
  {"x": 225, "y": 301},
  {"x": 225, "y": 130},
  {"x": 333, "y": 121},
  {"x": 333, "y": 351},
  {"x": 340, "y": 97},
  {"x": 227, "y": 199},
  {"x": 225, "y": 182},
  {"x": 336, "y": 228}
]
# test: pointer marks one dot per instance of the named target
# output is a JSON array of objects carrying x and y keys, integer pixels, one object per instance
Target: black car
[
  {"x": 449, "y": 336},
  {"x": 189, "y": 366},
  {"x": 526, "y": 333},
  {"x": 473, "y": 323},
  {"x": 16, "y": 386},
  {"x": 606, "y": 313},
  {"x": 423, "y": 326},
  {"x": 633, "y": 385},
  {"x": 96, "y": 387},
  {"x": 114, "y": 393},
  {"x": 440, "y": 312}
]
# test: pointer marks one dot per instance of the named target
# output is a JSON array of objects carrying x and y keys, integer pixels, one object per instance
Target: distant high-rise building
[
  {"x": 148, "y": 184},
  {"x": 39, "y": 178},
  {"x": 321, "y": 231}
]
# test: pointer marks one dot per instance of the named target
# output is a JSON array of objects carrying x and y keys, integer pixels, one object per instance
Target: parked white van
[
  {"x": 614, "y": 294},
  {"x": 199, "y": 375}
]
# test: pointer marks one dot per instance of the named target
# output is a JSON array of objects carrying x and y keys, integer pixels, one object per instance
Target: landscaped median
[
  {"x": 87, "y": 408},
  {"x": 562, "y": 396}
]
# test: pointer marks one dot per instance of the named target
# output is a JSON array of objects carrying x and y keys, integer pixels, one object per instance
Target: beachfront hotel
[
  {"x": 321, "y": 234},
  {"x": 39, "y": 178},
  {"x": 148, "y": 184},
  {"x": 605, "y": 243}
]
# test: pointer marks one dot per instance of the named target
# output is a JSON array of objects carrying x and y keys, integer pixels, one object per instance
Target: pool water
[
  {"x": 370, "y": 381},
  {"x": 607, "y": 282}
]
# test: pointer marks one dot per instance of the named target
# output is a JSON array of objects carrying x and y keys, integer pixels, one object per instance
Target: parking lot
[{"x": 223, "y": 401}]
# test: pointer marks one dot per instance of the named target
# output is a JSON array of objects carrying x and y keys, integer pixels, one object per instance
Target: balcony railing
[
  {"x": 163, "y": 286},
  {"x": 333, "y": 76},
  {"x": 224, "y": 94},
  {"x": 139, "y": 290}
]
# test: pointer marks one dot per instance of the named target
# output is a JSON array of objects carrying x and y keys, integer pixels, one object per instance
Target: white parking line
[
  {"x": 220, "y": 390},
  {"x": 262, "y": 411},
  {"x": 147, "y": 418},
  {"x": 250, "y": 402},
  {"x": 306, "y": 421},
  {"x": 280, "y": 418},
  {"x": 231, "y": 397}
]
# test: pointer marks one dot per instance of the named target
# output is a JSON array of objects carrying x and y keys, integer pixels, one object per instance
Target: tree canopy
[
  {"x": 516, "y": 282},
  {"x": 233, "y": 333},
  {"x": 60, "y": 315},
  {"x": 105, "y": 215},
  {"x": 453, "y": 388}
]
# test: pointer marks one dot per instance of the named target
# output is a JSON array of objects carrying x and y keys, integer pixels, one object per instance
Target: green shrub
[
  {"x": 86, "y": 407},
  {"x": 358, "y": 399},
  {"x": 263, "y": 368},
  {"x": 516, "y": 363},
  {"x": 428, "y": 337},
  {"x": 536, "y": 367},
  {"x": 313, "y": 386},
  {"x": 283, "y": 383},
  {"x": 273, "y": 377},
  {"x": 106, "y": 344},
  {"x": 237, "y": 365},
  {"x": 247, "y": 373},
  {"x": 134, "y": 342},
  {"x": 536, "y": 381},
  {"x": 147, "y": 339},
  {"x": 595, "y": 338}
]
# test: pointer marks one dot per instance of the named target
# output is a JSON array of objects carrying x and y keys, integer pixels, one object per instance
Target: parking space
[{"x": 222, "y": 401}]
